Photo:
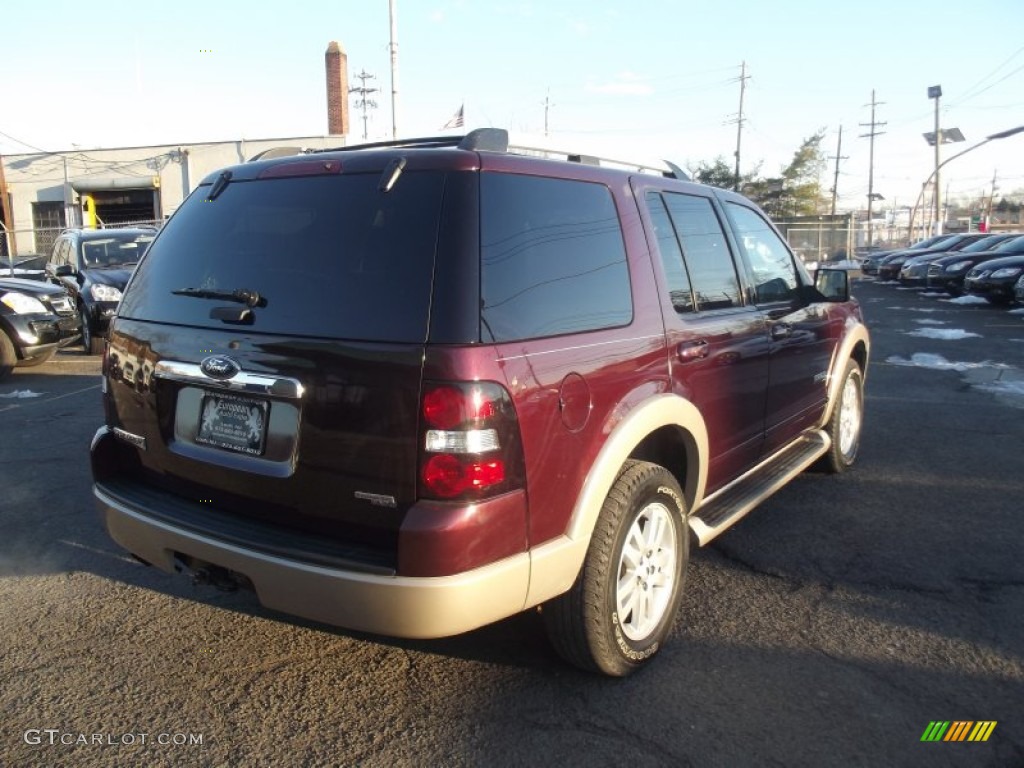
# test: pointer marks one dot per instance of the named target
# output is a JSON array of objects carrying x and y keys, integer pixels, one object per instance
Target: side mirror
[
  {"x": 833, "y": 284},
  {"x": 64, "y": 270}
]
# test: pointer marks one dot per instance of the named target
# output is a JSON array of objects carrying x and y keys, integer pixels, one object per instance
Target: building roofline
[{"x": 175, "y": 145}]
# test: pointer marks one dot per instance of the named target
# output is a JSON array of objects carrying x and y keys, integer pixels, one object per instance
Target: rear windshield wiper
[{"x": 242, "y": 295}]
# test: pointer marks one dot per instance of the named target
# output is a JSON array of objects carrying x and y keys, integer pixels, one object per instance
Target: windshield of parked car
[
  {"x": 984, "y": 244},
  {"x": 944, "y": 242},
  {"x": 114, "y": 250},
  {"x": 1009, "y": 245},
  {"x": 926, "y": 243}
]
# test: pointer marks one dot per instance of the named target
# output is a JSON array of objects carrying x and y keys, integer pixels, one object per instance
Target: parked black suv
[
  {"x": 94, "y": 265},
  {"x": 36, "y": 319},
  {"x": 416, "y": 388}
]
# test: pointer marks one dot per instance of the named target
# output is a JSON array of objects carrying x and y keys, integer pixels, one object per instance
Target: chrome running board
[{"x": 730, "y": 504}]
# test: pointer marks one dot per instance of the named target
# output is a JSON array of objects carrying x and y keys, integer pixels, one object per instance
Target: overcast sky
[{"x": 646, "y": 79}]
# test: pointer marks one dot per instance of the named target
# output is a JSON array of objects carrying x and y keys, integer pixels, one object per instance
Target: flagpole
[{"x": 394, "y": 69}]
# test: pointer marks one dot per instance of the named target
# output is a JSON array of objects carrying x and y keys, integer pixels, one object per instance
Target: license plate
[{"x": 233, "y": 423}]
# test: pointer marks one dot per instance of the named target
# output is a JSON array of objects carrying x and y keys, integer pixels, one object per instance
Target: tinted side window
[
  {"x": 60, "y": 252},
  {"x": 770, "y": 261},
  {"x": 707, "y": 254},
  {"x": 671, "y": 255},
  {"x": 552, "y": 258}
]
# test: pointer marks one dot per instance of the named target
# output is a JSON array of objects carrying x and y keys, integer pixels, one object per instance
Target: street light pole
[
  {"x": 393, "y": 48},
  {"x": 935, "y": 174},
  {"x": 935, "y": 92}
]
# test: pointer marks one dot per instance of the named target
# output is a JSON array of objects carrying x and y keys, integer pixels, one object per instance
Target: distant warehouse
[{"x": 48, "y": 191}]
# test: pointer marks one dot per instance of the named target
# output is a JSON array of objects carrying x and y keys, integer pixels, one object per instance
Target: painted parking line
[{"x": 27, "y": 403}]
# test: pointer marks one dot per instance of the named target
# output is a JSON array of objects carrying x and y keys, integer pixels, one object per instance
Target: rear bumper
[{"x": 413, "y": 607}]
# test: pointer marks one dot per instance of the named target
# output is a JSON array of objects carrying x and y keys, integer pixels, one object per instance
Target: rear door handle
[{"x": 693, "y": 350}]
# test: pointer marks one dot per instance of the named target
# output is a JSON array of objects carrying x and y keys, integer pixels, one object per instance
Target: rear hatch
[{"x": 265, "y": 366}]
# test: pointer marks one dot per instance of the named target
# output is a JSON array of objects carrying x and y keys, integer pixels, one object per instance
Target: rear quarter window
[{"x": 553, "y": 259}]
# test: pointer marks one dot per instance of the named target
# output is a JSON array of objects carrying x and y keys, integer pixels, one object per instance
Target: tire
[
  {"x": 641, "y": 533},
  {"x": 8, "y": 356},
  {"x": 845, "y": 424},
  {"x": 32, "y": 362},
  {"x": 91, "y": 344}
]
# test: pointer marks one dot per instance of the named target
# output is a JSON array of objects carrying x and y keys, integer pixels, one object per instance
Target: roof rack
[
  {"x": 497, "y": 140},
  {"x": 422, "y": 142},
  {"x": 670, "y": 169}
]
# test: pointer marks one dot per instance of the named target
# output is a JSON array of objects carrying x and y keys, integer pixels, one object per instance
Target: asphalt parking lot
[{"x": 830, "y": 627}]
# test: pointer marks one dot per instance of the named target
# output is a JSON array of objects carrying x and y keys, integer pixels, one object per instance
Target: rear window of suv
[{"x": 333, "y": 256}]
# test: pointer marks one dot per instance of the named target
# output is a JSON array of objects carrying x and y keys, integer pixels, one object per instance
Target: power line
[
  {"x": 968, "y": 93},
  {"x": 26, "y": 144}
]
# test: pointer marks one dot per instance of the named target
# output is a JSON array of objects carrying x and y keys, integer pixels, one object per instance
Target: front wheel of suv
[
  {"x": 622, "y": 606},
  {"x": 844, "y": 426},
  {"x": 91, "y": 344},
  {"x": 8, "y": 356}
]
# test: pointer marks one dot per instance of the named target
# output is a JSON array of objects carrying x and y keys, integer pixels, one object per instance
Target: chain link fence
[{"x": 820, "y": 244}]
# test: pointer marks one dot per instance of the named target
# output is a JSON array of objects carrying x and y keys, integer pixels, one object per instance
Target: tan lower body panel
[{"x": 386, "y": 605}]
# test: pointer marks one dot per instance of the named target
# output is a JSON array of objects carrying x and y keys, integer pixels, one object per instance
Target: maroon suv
[{"x": 415, "y": 388}]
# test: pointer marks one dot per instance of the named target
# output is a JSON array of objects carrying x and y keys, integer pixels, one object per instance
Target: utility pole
[
  {"x": 393, "y": 47},
  {"x": 547, "y": 106},
  {"x": 991, "y": 199},
  {"x": 363, "y": 92},
  {"x": 739, "y": 124},
  {"x": 838, "y": 156},
  {"x": 871, "y": 160}
]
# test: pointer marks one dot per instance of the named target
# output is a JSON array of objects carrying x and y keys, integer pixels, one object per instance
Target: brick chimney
[{"x": 336, "y": 64}]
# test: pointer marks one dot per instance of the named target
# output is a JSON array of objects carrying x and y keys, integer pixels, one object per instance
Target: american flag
[{"x": 457, "y": 120}]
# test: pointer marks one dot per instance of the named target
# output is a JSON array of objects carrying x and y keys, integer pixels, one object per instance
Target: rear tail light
[{"x": 470, "y": 446}]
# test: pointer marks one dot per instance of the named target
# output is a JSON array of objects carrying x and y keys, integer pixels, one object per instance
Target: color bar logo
[{"x": 958, "y": 730}]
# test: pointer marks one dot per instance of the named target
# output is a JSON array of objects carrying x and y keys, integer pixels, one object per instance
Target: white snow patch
[
  {"x": 935, "y": 294},
  {"x": 22, "y": 393},
  {"x": 919, "y": 309},
  {"x": 1017, "y": 311},
  {"x": 1000, "y": 379},
  {"x": 889, "y": 282},
  {"x": 945, "y": 334},
  {"x": 971, "y": 301},
  {"x": 939, "y": 363},
  {"x": 1001, "y": 387},
  {"x": 928, "y": 321}
]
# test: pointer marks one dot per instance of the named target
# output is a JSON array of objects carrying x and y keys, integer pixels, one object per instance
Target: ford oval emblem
[{"x": 219, "y": 367}]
